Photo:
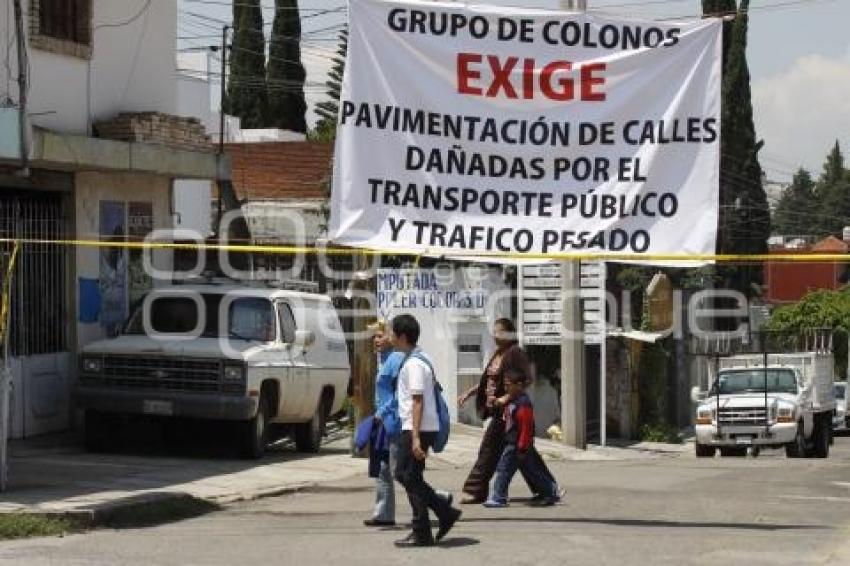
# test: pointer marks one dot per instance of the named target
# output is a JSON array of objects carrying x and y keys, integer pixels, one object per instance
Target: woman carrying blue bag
[{"x": 386, "y": 422}]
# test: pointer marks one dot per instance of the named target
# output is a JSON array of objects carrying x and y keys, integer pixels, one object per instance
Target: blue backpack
[{"x": 443, "y": 417}]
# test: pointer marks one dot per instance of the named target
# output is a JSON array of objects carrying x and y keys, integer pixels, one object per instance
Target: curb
[
  {"x": 107, "y": 513},
  {"x": 140, "y": 511}
]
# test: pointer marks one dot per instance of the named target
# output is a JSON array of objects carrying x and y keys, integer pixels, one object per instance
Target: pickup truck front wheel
[
  {"x": 100, "y": 431},
  {"x": 255, "y": 433},
  {"x": 797, "y": 449},
  {"x": 308, "y": 436},
  {"x": 704, "y": 451}
]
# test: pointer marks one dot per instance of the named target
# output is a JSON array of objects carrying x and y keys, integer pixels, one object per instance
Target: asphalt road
[{"x": 673, "y": 509}]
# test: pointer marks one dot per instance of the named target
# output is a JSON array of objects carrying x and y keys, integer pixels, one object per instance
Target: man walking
[{"x": 417, "y": 408}]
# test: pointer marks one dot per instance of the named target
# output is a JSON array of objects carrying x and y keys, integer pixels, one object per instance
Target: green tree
[
  {"x": 797, "y": 211},
  {"x": 833, "y": 192},
  {"x": 744, "y": 214},
  {"x": 328, "y": 110},
  {"x": 833, "y": 168},
  {"x": 246, "y": 86},
  {"x": 287, "y": 106},
  {"x": 820, "y": 309}
]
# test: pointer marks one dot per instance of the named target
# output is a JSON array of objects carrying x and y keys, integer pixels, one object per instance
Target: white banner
[{"x": 470, "y": 129}]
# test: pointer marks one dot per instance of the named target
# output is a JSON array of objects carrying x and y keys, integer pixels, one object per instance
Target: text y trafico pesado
[{"x": 467, "y": 200}]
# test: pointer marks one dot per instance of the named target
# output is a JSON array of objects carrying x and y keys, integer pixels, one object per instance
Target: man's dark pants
[{"x": 409, "y": 473}]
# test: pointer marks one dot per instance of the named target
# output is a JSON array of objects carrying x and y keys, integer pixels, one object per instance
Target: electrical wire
[{"x": 126, "y": 22}]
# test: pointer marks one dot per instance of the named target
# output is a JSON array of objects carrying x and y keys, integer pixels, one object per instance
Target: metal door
[{"x": 38, "y": 341}]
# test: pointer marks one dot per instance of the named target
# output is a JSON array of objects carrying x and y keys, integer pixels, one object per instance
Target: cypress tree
[
  {"x": 833, "y": 168},
  {"x": 287, "y": 106},
  {"x": 246, "y": 87},
  {"x": 744, "y": 213},
  {"x": 833, "y": 192},
  {"x": 328, "y": 110},
  {"x": 797, "y": 213}
]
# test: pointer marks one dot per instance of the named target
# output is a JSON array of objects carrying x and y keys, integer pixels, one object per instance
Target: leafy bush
[
  {"x": 659, "y": 432},
  {"x": 820, "y": 309}
]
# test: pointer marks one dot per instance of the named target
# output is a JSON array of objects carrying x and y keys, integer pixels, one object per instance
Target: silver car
[{"x": 841, "y": 420}]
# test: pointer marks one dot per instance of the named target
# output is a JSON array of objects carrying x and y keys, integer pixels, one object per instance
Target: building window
[
  {"x": 62, "y": 26},
  {"x": 64, "y": 19}
]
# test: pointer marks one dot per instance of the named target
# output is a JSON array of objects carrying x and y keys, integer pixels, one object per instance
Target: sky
[{"x": 799, "y": 57}]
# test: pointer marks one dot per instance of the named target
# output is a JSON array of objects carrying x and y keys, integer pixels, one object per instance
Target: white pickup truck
[
  {"x": 787, "y": 403},
  {"x": 251, "y": 355}
]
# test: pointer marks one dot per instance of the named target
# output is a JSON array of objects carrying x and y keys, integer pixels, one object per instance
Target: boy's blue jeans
[{"x": 509, "y": 463}]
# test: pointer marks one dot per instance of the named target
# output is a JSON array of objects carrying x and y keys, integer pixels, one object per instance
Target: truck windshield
[
  {"x": 249, "y": 318},
  {"x": 839, "y": 391},
  {"x": 752, "y": 381}
]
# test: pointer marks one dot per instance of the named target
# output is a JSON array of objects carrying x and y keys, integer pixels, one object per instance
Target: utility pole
[
  {"x": 221, "y": 122},
  {"x": 6, "y": 287},
  {"x": 6, "y": 369},
  {"x": 574, "y": 5},
  {"x": 223, "y": 93},
  {"x": 5, "y": 386},
  {"x": 573, "y": 379},
  {"x": 23, "y": 88}
]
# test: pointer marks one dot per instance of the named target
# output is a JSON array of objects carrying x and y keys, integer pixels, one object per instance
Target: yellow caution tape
[
  {"x": 336, "y": 250},
  {"x": 6, "y": 293}
]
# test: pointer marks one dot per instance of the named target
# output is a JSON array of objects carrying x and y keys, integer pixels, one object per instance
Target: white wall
[
  {"x": 193, "y": 199},
  {"x": 193, "y": 93},
  {"x": 133, "y": 65},
  {"x": 193, "y": 206},
  {"x": 131, "y": 69}
]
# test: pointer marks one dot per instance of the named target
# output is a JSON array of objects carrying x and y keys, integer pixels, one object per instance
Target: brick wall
[
  {"x": 156, "y": 128},
  {"x": 281, "y": 170}
]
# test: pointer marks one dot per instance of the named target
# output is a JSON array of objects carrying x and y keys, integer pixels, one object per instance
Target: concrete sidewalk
[{"x": 54, "y": 475}]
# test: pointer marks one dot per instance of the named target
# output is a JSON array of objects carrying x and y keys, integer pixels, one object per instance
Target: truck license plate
[
  {"x": 744, "y": 439},
  {"x": 157, "y": 408}
]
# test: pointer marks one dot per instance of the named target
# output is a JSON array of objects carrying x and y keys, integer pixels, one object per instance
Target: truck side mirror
[
  {"x": 697, "y": 396},
  {"x": 304, "y": 339}
]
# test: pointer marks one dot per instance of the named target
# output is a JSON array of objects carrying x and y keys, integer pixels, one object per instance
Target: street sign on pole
[{"x": 541, "y": 302}]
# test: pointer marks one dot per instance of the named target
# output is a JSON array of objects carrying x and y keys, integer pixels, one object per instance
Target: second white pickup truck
[{"x": 787, "y": 403}]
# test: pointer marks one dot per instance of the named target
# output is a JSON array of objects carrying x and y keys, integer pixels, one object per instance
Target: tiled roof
[
  {"x": 280, "y": 170},
  {"x": 830, "y": 244}
]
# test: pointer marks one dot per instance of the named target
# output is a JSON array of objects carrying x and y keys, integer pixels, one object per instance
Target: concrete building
[
  {"x": 774, "y": 191},
  {"x": 97, "y": 69}
]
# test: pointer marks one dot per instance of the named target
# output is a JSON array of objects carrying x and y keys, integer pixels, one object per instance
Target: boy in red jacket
[{"x": 519, "y": 438}]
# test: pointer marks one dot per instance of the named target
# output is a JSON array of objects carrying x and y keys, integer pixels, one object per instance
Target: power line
[
  {"x": 788, "y": 4},
  {"x": 270, "y": 8},
  {"x": 129, "y": 21}
]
